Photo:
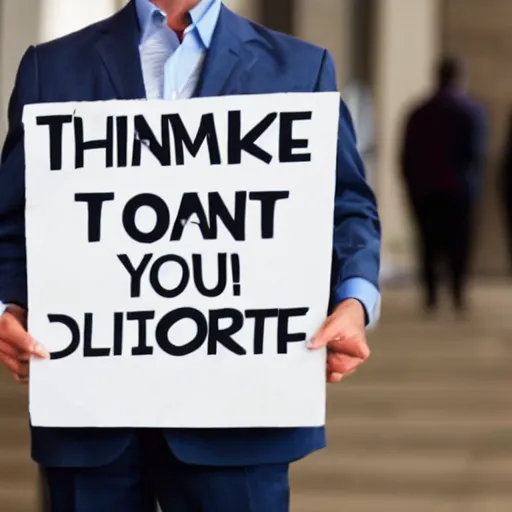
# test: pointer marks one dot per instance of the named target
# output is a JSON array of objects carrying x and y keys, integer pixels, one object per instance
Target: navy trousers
[{"x": 147, "y": 473}]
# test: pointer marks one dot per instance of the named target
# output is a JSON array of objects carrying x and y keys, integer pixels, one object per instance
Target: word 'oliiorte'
[
  {"x": 239, "y": 332},
  {"x": 171, "y": 141}
]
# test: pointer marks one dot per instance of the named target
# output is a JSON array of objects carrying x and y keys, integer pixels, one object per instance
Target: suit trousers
[{"x": 148, "y": 472}]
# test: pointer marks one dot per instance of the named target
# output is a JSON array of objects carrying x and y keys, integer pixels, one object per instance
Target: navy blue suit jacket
[{"x": 102, "y": 62}]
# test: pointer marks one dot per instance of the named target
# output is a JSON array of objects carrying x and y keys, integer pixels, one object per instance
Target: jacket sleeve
[
  {"x": 13, "y": 273},
  {"x": 357, "y": 233}
]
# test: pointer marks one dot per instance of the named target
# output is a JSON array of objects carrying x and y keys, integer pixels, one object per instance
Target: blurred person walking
[
  {"x": 505, "y": 189},
  {"x": 442, "y": 159}
]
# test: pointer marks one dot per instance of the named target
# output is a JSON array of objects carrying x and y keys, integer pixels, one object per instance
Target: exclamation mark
[{"x": 235, "y": 268}]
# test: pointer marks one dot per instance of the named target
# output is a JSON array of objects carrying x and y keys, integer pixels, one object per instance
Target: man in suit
[
  {"x": 442, "y": 159},
  {"x": 179, "y": 49}
]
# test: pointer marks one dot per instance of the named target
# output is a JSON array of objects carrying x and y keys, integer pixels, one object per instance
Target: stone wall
[
  {"x": 16, "y": 34},
  {"x": 27, "y": 22},
  {"x": 406, "y": 48},
  {"x": 480, "y": 31}
]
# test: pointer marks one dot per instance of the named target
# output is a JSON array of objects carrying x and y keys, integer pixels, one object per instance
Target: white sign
[{"x": 179, "y": 258}]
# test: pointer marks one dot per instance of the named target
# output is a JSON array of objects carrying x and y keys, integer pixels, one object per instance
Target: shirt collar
[{"x": 204, "y": 18}]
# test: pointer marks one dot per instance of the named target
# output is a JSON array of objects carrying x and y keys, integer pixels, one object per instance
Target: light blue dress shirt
[
  {"x": 171, "y": 70},
  {"x": 181, "y": 65}
]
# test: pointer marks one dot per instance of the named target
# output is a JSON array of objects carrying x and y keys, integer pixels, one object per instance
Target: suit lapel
[
  {"x": 226, "y": 60},
  {"x": 118, "y": 46},
  {"x": 226, "y": 63}
]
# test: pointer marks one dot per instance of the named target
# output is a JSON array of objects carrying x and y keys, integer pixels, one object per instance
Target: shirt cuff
[
  {"x": 366, "y": 293},
  {"x": 3, "y": 307}
]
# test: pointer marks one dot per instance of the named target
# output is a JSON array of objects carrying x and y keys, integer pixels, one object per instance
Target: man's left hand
[{"x": 343, "y": 333}]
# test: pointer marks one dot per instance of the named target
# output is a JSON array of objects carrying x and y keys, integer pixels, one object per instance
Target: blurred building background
[
  {"x": 427, "y": 425},
  {"x": 387, "y": 48}
]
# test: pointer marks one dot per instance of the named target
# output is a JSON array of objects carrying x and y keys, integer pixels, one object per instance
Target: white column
[
  {"x": 18, "y": 29},
  {"x": 60, "y": 17},
  {"x": 406, "y": 51},
  {"x": 326, "y": 23},
  {"x": 246, "y": 8},
  {"x": 26, "y": 22}
]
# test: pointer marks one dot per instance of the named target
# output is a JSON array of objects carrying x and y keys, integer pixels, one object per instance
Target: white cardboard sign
[{"x": 178, "y": 258}]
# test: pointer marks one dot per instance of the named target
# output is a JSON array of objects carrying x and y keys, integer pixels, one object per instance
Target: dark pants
[
  {"x": 44, "y": 504},
  {"x": 147, "y": 471},
  {"x": 444, "y": 226},
  {"x": 507, "y": 211}
]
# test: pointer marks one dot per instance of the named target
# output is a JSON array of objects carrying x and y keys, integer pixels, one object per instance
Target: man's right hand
[{"x": 17, "y": 346}]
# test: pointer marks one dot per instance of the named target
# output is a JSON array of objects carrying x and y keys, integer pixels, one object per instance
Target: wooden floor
[{"x": 426, "y": 426}]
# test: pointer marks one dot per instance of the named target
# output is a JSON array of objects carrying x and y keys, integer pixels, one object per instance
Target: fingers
[
  {"x": 18, "y": 368},
  {"x": 344, "y": 337},
  {"x": 20, "y": 380},
  {"x": 352, "y": 346},
  {"x": 17, "y": 346},
  {"x": 14, "y": 334},
  {"x": 334, "y": 378},
  {"x": 342, "y": 363},
  {"x": 339, "y": 366},
  {"x": 8, "y": 350},
  {"x": 16, "y": 362}
]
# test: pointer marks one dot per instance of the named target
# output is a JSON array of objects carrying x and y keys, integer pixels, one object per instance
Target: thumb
[
  {"x": 14, "y": 334},
  {"x": 322, "y": 338}
]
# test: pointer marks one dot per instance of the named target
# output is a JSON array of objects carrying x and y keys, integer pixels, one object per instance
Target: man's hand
[
  {"x": 343, "y": 333},
  {"x": 16, "y": 344}
]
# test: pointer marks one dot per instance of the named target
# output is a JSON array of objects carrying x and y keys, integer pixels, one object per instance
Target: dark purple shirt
[{"x": 443, "y": 146}]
